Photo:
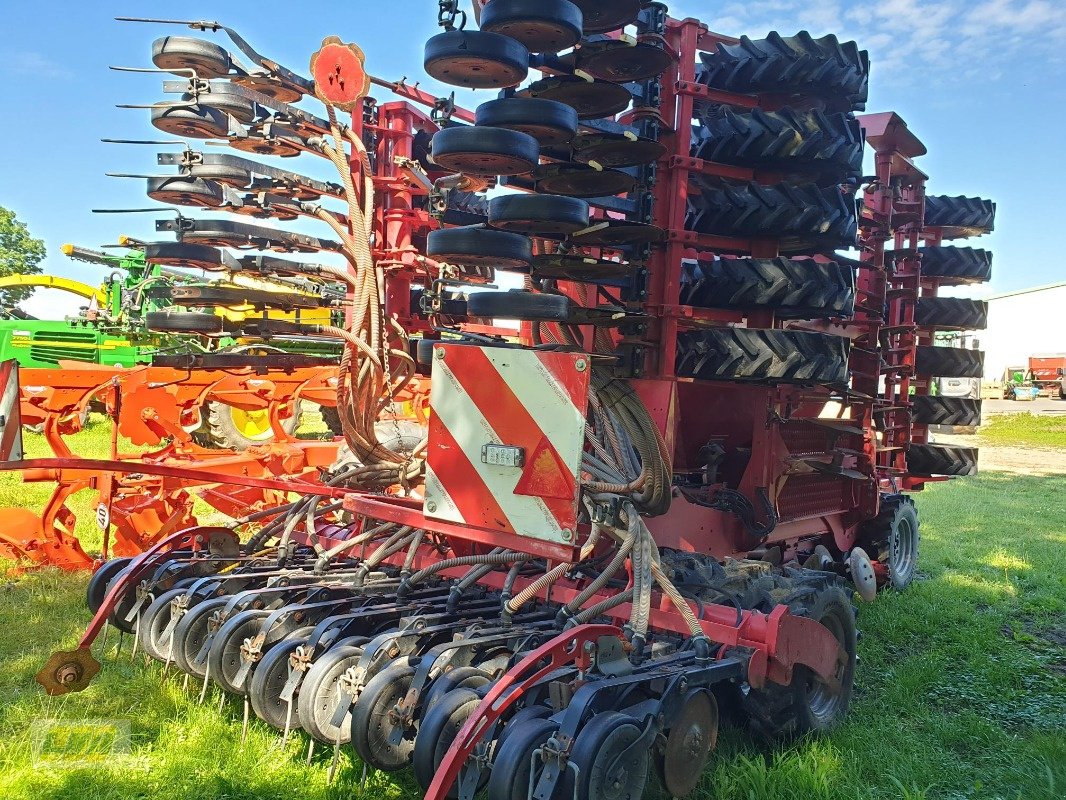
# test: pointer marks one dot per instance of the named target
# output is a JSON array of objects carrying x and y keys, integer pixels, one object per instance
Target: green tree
[{"x": 20, "y": 254}]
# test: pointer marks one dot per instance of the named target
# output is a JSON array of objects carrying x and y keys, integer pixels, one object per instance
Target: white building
[{"x": 1022, "y": 324}]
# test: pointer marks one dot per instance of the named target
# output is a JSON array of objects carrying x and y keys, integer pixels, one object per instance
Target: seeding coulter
[{"x": 651, "y": 510}]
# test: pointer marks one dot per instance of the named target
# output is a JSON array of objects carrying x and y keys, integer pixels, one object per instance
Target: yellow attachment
[
  {"x": 254, "y": 425},
  {"x": 55, "y": 282}
]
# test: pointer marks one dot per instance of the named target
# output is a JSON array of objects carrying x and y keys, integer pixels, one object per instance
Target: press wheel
[
  {"x": 591, "y": 99},
  {"x": 153, "y": 622},
  {"x": 600, "y": 16},
  {"x": 620, "y": 62},
  {"x": 548, "y": 121},
  {"x": 265, "y": 146},
  {"x": 601, "y": 774},
  {"x": 476, "y": 59},
  {"x": 267, "y": 682},
  {"x": 510, "y": 776},
  {"x": 374, "y": 721},
  {"x": 480, "y": 247},
  {"x": 179, "y": 254},
  {"x": 320, "y": 694},
  {"x": 690, "y": 741},
  {"x": 485, "y": 151},
  {"x": 224, "y": 658},
  {"x": 438, "y": 730},
  {"x": 546, "y": 216},
  {"x": 190, "y": 634},
  {"x": 579, "y": 180},
  {"x": 96, "y": 590},
  {"x": 543, "y": 26}
]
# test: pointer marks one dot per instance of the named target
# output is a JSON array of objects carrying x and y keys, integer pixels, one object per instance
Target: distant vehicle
[
  {"x": 969, "y": 388},
  {"x": 1018, "y": 384},
  {"x": 1047, "y": 371}
]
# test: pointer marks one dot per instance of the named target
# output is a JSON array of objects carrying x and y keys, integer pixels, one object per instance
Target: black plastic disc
[
  {"x": 610, "y": 150},
  {"x": 619, "y": 233},
  {"x": 621, "y": 62},
  {"x": 480, "y": 247},
  {"x": 185, "y": 190},
  {"x": 174, "y": 53},
  {"x": 476, "y": 59},
  {"x": 485, "y": 151},
  {"x": 543, "y": 26},
  {"x": 191, "y": 121},
  {"x": 547, "y": 216},
  {"x": 179, "y": 254},
  {"x": 510, "y": 776},
  {"x": 190, "y": 634},
  {"x": 591, "y": 99},
  {"x": 267, "y": 682},
  {"x": 548, "y": 121},
  {"x": 601, "y": 16},
  {"x": 224, "y": 658},
  {"x": 373, "y": 724},
  {"x": 520, "y": 305},
  {"x": 580, "y": 180}
]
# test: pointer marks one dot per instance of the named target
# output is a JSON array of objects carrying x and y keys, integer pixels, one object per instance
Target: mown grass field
[
  {"x": 1024, "y": 429},
  {"x": 961, "y": 685}
]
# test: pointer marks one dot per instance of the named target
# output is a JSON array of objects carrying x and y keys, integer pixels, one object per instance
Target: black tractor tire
[
  {"x": 190, "y": 121},
  {"x": 476, "y": 59},
  {"x": 826, "y": 67},
  {"x": 485, "y": 151},
  {"x": 547, "y": 121},
  {"x": 933, "y": 410},
  {"x": 801, "y": 217},
  {"x": 954, "y": 266},
  {"x": 962, "y": 216},
  {"x": 218, "y": 429},
  {"x": 520, "y": 305},
  {"x": 787, "y": 138},
  {"x": 794, "y": 288},
  {"x": 794, "y": 710},
  {"x": 543, "y": 26},
  {"x": 188, "y": 256},
  {"x": 177, "y": 54},
  {"x": 194, "y": 322},
  {"x": 939, "y": 459},
  {"x": 600, "y": 16},
  {"x": 893, "y": 538},
  {"x": 545, "y": 216},
  {"x": 949, "y": 362},
  {"x": 185, "y": 190},
  {"x": 951, "y": 313},
  {"x": 480, "y": 247},
  {"x": 762, "y": 356}
]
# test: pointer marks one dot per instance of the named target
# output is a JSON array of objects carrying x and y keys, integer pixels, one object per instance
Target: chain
[{"x": 447, "y": 14}]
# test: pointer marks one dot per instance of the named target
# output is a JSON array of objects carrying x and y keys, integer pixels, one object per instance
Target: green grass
[
  {"x": 1024, "y": 429},
  {"x": 961, "y": 686}
]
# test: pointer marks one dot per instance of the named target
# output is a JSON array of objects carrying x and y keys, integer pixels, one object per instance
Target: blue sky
[{"x": 981, "y": 83}]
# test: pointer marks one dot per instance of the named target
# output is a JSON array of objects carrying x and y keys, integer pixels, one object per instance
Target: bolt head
[
  {"x": 439, "y": 351},
  {"x": 431, "y": 507},
  {"x": 581, "y": 365},
  {"x": 567, "y": 534}
]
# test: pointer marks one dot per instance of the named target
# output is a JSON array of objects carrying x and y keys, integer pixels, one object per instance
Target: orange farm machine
[{"x": 647, "y": 510}]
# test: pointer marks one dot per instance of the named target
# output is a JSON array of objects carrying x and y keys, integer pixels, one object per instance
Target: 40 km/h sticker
[{"x": 103, "y": 517}]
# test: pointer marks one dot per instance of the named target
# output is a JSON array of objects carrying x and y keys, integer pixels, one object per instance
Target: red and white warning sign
[{"x": 506, "y": 431}]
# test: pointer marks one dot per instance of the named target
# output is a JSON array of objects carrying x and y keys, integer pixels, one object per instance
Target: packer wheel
[
  {"x": 546, "y": 216},
  {"x": 436, "y": 733},
  {"x": 601, "y": 775},
  {"x": 543, "y": 26},
  {"x": 510, "y": 776},
  {"x": 548, "y": 121},
  {"x": 480, "y": 247},
  {"x": 224, "y": 658},
  {"x": 485, "y": 151},
  {"x": 374, "y": 720},
  {"x": 476, "y": 59},
  {"x": 96, "y": 590},
  {"x": 191, "y": 633},
  {"x": 320, "y": 694}
]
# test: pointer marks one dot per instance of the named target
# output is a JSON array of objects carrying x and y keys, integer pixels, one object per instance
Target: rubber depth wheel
[
  {"x": 520, "y": 305},
  {"x": 616, "y": 151},
  {"x": 485, "y": 151},
  {"x": 765, "y": 356},
  {"x": 934, "y": 459},
  {"x": 543, "y": 26},
  {"x": 125, "y": 602},
  {"x": 479, "y": 247},
  {"x": 227, "y": 101},
  {"x": 153, "y": 622},
  {"x": 949, "y": 362},
  {"x": 179, "y": 254},
  {"x": 267, "y": 682},
  {"x": 596, "y": 750},
  {"x": 190, "y": 634},
  {"x": 438, "y": 730},
  {"x": 476, "y": 59},
  {"x": 894, "y": 539},
  {"x": 186, "y": 191},
  {"x": 191, "y": 121},
  {"x": 545, "y": 216},
  {"x": 372, "y": 725},
  {"x": 692, "y": 737},
  {"x": 174, "y": 53},
  {"x": 235, "y": 177},
  {"x": 96, "y": 589},
  {"x": 320, "y": 694},
  {"x": 265, "y": 146},
  {"x": 600, "y": 16},
  {"x": 458, "y": 678},
  {"x": 509, "y": 779},
  {"x": 231, "y": 428},
  {"x": 934, "y": 410},
  {"x": 224, "y": 658},
  {"x": 547, "y": 121},
  {"x": 185, "y": 322}
]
